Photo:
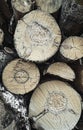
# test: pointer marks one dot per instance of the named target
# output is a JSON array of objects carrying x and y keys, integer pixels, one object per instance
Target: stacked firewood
[{"x": 41, "y": 64}]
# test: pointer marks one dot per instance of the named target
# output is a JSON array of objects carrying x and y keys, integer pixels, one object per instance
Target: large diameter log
[
  {"x": 55, "y": 105},
  {"x": 72, "y": 48},
  {"x": 71, "y": 20},
  {"x": 1, "y": 36},
  {"x": 20, "y": 77},
  {"x": 49, "y": 6},
  {"x": 20, "y": 7},
  {"x": 37, "y": 36},
  {"x": 62, "y": 70}
]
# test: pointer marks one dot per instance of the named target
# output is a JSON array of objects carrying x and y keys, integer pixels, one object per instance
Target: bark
[{"x": 71, "y": 20}]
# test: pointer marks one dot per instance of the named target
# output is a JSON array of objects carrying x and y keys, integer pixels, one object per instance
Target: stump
[
  {"x": 55, "y": 105},
  {"x": 62, "y": 70},
  {"x": 72, "y": 48},
  {"x": 37, "y": 36},
  {"x": 50, "y": 6},
  {"x": 20, "y": 77}
]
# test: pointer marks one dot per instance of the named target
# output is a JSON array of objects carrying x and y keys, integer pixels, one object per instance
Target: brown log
[
  {"x": 37, "y": 36},
  {"x": 72, "y": 48},
  {"x": 71, "y": 20},
  {"x": 20, "y": 77},
  {"x": 55, "y": 105},
  {"x": 62, "y": 70}
]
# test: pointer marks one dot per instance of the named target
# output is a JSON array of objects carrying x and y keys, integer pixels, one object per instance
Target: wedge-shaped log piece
[
  {"x": 49, "y": 6},
  {"x": 62, "y": 70},
  {"x": 20, "y": 77},
  {"x": 72, "y": 48},
  {"x": 1, "y": 36},
  {"x": 55, "y": 105},
  {"x": 37, "y": 36}
]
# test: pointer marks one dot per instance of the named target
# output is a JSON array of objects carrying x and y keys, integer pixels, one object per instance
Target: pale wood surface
[
  {"x": 62, "y": 103},
  {"x": 37, "y": 36},
  {"x": 72, "y": 48},
  {"x": 62, "y": 70},
  {"x": 20, "y": 77},
  {"x": 49, "y": 6}
]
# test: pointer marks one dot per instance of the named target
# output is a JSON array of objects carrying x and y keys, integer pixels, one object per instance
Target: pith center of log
[
  {"x": 56, "y": 102},
  {"x": 21, "y": 76},
  {"x": 38, "y": 34}
]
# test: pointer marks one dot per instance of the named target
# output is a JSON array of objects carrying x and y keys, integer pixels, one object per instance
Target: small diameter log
[
  {"x": 79, "y": 78},
  {"x": 62, "y": 70},
  {"x": 1, "y": 36},
  {"x": 71, "y": 20},
  {"x": 72, "y": 48},
  {"x": 5, "y": 57},
  {"x": 50, "y": 6},
  {"x": 20, "y": 7},
  {"x": 37, "y": 36},
  {"x": 20, "y": 77},
  {"x": 55, "y": 105}
]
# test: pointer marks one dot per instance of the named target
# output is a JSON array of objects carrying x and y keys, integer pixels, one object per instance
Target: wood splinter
[
  {"x": 62, "y": 70},
  {"x": 20, "y": 77},
  {"x": 72, "y": 48},
  {"x": 55, "y": 105}
]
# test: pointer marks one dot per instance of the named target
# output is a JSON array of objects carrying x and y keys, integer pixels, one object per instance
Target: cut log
[
  {"x": 37, "y": 36},
  {"x": 62, "y": 70},
  {"x": 55, "y": 105},
  {"x": 5, "y": 57},
  {"x": 72, "y": 48},
  {"x": 1, "y": 36},
  {"x": 71, "y": 20},
  {"x": 49, "y": 6},
  {"x": 20, "y": 7},
  {"x": 20, "y": 77}
]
